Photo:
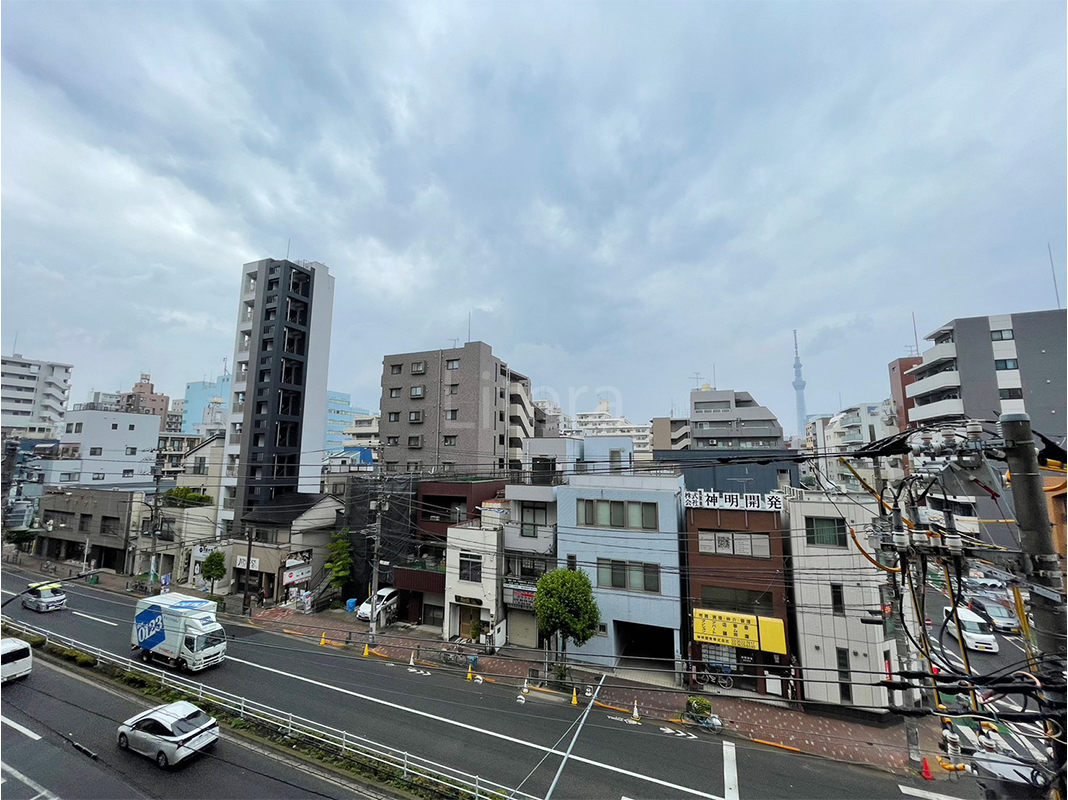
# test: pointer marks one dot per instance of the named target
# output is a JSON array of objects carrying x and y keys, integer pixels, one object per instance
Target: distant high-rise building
[
  {"x": 602, "y": 423},
  {"x": 339, "y": 415},
  {"x": 35, "y": 395},
  {"x": 720, "y": 419},
  {"x": 900, "y": 379},
  {"x": 144, "y": 398},
  {"x": 201, "y": 394},
  {"x": 799, "y": 390},
  {"x": 278, "y": 390}
]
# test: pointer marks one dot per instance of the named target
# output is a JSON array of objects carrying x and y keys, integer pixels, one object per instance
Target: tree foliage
[
  {"x": 184, "y": 497},
  {"x": 213, "y": 568},
  {"x": 340, "y": 560},
  {"x": 565, "y": 605}
]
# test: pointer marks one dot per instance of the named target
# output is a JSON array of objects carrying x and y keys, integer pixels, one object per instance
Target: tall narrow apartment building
[
  {"x": 34, "y": 397},
  {"x": 278, "y": 394},
  {"x": 461, "y": 409}
]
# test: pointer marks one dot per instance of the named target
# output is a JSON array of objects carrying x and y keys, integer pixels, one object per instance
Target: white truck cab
[{"x": 179, "y": 630}]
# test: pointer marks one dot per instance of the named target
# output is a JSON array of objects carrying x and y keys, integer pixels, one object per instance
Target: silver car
[
  {"x": 44, "y": 596},
  {"x": 169, "y": 733}
]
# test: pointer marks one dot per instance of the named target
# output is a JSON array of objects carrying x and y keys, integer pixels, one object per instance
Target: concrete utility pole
[
  {"x": 1039, "y": 559},
  {"x": 383, "y": 506},
  {"x": 897, "y": 611},
  {"x": 157, "y": 516}
]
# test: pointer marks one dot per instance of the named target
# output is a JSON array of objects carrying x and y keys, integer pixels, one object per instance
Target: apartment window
[
  {"x": 127, "y": 473},
  {"x": 413, "y": 466},
  {"x": 572, "y": 562},
  {"x": 618, "y": 514},
  {"x": 415, "y": 416},
  {"x": 395, "y": 369},
  {"x": 391, "y": 466},
  {"x": 78, "y": 427},
  {"x": 416, "y": 391},
  {"x": 415, "y": 441},
  {"x": 418, "y": 368},
  {"x": 845, "y": 685},
  {"x": 633, "y": 576},
  {"x": 84, "y": 521},
  {"x": 734, "y": 543},
  {"x": 114, "y": 427},
  {"x": 453, "y": 388},
  {"x": 532, "y": 515},
  {"x": 741, "y": 601},
  {"x": 452, "y": 413},
  {"x": 392, "y": 441},
  {"x": 394, "y": 392},
  {"x": 96, "y": 451},
  {"x": 1006, "y": 363},
  {"x": 470, "y": 567},
  {"x": 602, "y": 628},
  {"x": 131, "y": 451},
  {"x": 449, "y": 441},
  {"x": 394, "y": 416},
  {"x": 825, "y": 531},
  {"x": 70, "y": 427},
  {"x": 1002, "y": 335},
  {"x": 1010, "y": 394},
  {"x": 837, "y": 600},
  {"x": 98, "y": 476},
  {"x": 452, "y": 363}
]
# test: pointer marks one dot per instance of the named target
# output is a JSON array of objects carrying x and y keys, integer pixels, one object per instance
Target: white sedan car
[
  {"x": 386, "y": 605},
  {"x": 169, "y": 733}
]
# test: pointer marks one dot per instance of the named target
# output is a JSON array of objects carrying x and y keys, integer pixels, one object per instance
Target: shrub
[
  {"x": 35, "y": 641},
  {"x": 71, "y": 655},
  {"x": 85, "y": 660}
]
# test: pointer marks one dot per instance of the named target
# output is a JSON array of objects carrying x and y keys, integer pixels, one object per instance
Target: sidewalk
[{"x": 841, "y": 740}]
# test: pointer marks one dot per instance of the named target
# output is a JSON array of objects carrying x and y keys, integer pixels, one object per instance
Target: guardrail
[{"x": 444, "y": 779}]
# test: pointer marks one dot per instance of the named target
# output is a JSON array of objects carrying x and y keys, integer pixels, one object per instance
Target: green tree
[
  {"x": 213, "y": 568},
  {"x": 565, "y": 605},
  {"x": 184, "y": 497},
  {"x": 340, "y": 563}
]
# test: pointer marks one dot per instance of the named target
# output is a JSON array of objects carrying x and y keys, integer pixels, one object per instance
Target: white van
[
  {"x": 978, "y": 634},
  {"x": 16, "y": 659}
]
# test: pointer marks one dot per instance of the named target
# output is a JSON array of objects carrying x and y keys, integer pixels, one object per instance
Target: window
[
  {"x": 114, "y": 427},
  {"x": 532, "y": 515},
  {"x": 1010, "y": 394},
  {"x": 825, "y": 531},
  {"x": 572, "y": 562},
  {"x": 127, "y": 473},
  {"x": 630, "y": 575},
  {"x": 837, "y": 600},
  {"x": 394, "y": 416},
  {"x": 453, "y": 388},
  {"x": 394, "y": 392},
  {"x": 83, "y": 523},
  {"x": 470, "y": 567},
  {"x": 98, "y": 476},
  {"x": 1006, "y": 363},
  {"x": 413, "y": 466},
  {"x": 418, "y": 367},
  {"x": 452, "y": 413},
  {"x": 70, "y": 427},
  {"x": 391, "y": 466},
  {"x": 602, "y": 628},
  {"x": 1002, "y": 335},
  {"x": 416, "y": 391},
  {"x": 395, "y": 369},
  {"x": 618, "y": 514},
  {"x": 78, "y": 427},
  {"x": 392, "y": 441},
  {"x": 131, "y": 451},
  {"x": 845, "y": 685},
  {"x": 96, "y": 451},
  {"x": 449, "y": 441},
  {"x": 734, "y": 543},
  {"x": 415, "y": 442},
  {"x": 415, "y": 416},
  {"x": 452, "y": 363},
  {"x": 742, "y": 601}
]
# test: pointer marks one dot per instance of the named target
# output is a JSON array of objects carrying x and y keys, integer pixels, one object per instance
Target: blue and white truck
[{"x": 179, "y": 630}]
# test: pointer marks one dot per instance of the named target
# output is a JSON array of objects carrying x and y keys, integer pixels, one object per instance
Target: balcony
[
  {"x": 853, "y": 437},
  {"x": 943, "y": 408},
  {"x": 421, "y": 575},
  {"x": 942, "y": 380},
  {"x": 849, "y": 421},
  {"x": 940, "y": 352}
]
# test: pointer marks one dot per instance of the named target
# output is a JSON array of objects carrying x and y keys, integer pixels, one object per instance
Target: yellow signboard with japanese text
[{"x": 739, "y": 630}]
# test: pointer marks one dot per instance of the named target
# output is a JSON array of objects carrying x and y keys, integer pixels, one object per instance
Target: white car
[
  {"x": 44, "y": 596},
  {"x": 386, "y": 605},
  {"x": 169, "y": 733}
]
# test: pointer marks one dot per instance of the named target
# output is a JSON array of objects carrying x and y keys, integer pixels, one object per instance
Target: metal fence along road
[{"x": 439, "y": 776}]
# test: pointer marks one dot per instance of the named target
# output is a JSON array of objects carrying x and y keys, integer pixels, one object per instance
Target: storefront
[{"x": 518, "y": 598}]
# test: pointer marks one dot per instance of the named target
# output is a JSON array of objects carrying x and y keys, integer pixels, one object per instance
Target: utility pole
[
  {"x": 897, "y": 612},
  {"x": 382, "y": 507},
  {"x": 1039, "y": 561},
  {"x": 157, "y": 515},
  {"x": 246, "y": 603}
]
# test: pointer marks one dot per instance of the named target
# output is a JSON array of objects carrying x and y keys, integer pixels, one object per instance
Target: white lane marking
[
  {"x": 95, "y": 619},
  {"x": 5, "y": 591},
  {"x": 41, "y": 791},
  {"x": 925, "y": 794},
  {"x": 19, "y": 728},
  {"x": 1016, "y": 644},
  {"x": 730, "y": 772},
  {"x": 494, "y": 734}
]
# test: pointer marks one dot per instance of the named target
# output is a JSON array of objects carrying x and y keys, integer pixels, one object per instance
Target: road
[
  {"x": 481, "y": 729},
  {"x": 44, "y": 713}
]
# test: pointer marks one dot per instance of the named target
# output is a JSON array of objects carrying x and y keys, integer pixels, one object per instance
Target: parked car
[
  {"x": 387, "y": 604},
  {"x": 996, "y": 613},
  {"x": 16, "y": 659},
  {"x": 978, "y": 634},
  {"x": 44, "y": 596},
  {"x": 169, "y": 733}
]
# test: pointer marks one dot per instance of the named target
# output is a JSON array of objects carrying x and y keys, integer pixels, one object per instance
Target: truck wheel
[{"x": 146, "y": 656}]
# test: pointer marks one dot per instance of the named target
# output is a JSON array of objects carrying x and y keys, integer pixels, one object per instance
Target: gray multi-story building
[
  {"x": 979, "y": 367},
  {"x": 720, "y": 419},
  {"x": 460, "y": 409},
  {"x": 33, "y": 396},
  {"x": 278, "y": 392}
]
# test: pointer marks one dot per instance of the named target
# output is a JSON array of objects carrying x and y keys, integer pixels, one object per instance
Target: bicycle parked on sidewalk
[{"x": 714, "y": 673}]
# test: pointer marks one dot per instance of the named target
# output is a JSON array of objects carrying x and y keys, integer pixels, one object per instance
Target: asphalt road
[
  {"x": 44, "y": 713},
  {"x": 481, "y": 729}
]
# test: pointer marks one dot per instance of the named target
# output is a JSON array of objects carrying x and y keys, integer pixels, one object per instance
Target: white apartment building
[
  {"x": 848, "y": 430},
  {"x": 362, "y": 431},
  {"x": 104, "y": 449},
  {"x": 33, "y": 396},
  {"x": 602, "y": 423}
]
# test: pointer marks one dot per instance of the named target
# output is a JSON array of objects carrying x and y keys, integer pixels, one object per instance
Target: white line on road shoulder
[
  {"x": 925, "y": 794},
  {"x": 19, "y": 728},
  {"x": 730, "y": 772},
  {"x": 475, "y": 729},
  {"x": 41, "y": 791},
  {"x": 95, "y": 619}
]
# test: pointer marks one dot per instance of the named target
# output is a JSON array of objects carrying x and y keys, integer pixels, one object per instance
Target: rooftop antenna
[
  {"x": 713, "y": 374},
  {"x": 224, "y": 366},
  {"x": 287, "y": 248},
  {"x": 469, "y": 326},
  {"x": 1056, "y": 290},
  {"x": 15, "y": 347},
  {"x": 696, "y": 378},
  {"x": 915, "y": 333},
  {"x": 454, "y": 340}
]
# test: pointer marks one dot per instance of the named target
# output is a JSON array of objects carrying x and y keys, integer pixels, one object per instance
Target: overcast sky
[{"x": 622, "y": 194}]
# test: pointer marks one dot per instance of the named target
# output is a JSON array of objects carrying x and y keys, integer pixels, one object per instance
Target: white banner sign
[
  {"x": 734, "y": 501},
  {"x": 242, "y": 560},
  {"x": 297, "y": 574}
]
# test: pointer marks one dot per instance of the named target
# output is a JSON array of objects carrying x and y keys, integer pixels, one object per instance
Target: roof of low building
[{"x": 285, "y": 508}]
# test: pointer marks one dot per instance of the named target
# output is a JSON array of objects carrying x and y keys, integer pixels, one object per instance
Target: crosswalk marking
[
  {"x": 924, "y": 793},
  {"x": 41, "y": 791},
  {"x": 730, "y": 772}
]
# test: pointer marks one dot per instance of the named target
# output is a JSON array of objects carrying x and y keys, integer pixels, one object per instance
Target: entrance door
[
  {"x": 468, "y": 615},
  {"x": 522, "y": 628}
]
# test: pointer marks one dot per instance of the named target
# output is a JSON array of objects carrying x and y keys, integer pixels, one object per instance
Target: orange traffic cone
[{"x": 927, "y": 776}]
